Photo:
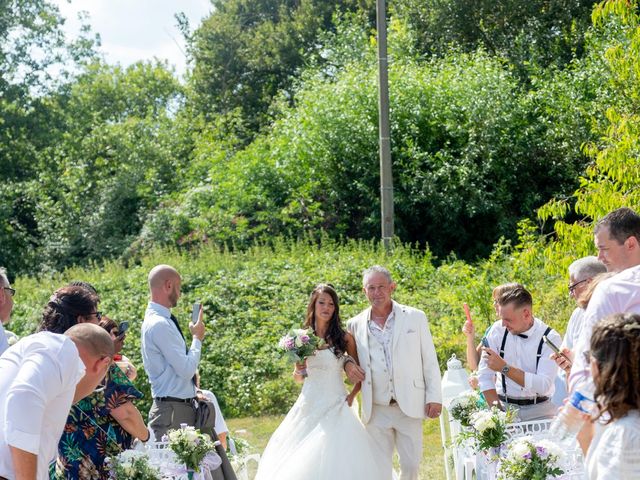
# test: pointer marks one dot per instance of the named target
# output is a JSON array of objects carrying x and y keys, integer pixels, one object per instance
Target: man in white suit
[{"x": 399, "y": 372}]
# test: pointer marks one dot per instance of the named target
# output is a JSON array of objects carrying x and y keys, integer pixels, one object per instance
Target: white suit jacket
[{"x": 416, "y": 373}]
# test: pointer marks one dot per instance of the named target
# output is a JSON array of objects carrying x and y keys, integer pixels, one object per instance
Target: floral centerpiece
[
  {"x": 529, "y": 459},
  {"x": 132, "y": 465},
  {"x": 191, "y": 447},
  {"x": 465, "y": 405},
  {"x": 299, "y": 343},
  {"x": 488, "y": 428}
]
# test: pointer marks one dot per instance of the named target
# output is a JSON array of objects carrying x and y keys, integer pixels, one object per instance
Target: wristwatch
[{"x": 505, "y": 369}]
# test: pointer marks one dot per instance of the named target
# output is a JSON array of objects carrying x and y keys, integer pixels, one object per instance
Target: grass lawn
[{"x": 257, "y": 430}]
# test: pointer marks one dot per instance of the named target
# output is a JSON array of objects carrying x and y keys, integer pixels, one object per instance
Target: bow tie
[{"x": 522, "y": 335}]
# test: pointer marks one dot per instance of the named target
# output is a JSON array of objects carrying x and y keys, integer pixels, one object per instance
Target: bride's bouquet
[
  {"x": 299, "y": 343},
  {"x": 528, "y": 459}
]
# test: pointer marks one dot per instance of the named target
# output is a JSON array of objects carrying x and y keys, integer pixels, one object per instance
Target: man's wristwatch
[{"x": 505, "y": 369}]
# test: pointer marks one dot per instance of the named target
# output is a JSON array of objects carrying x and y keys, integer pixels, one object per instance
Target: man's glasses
[
  {"x": 573, "y": 286},
  {"x": 12, "y": 291}
]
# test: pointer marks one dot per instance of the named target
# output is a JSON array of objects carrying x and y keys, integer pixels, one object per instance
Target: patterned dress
[{"x": 91, "y": 434}]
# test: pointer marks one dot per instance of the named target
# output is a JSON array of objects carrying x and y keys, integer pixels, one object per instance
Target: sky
[{"x": 132, "y": 30}]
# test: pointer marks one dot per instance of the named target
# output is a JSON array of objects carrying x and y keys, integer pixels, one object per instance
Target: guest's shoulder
[{"x": 408, "y": 310}]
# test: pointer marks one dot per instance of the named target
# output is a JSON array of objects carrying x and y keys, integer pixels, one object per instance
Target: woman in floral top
[{"x": 100, "y": 425}]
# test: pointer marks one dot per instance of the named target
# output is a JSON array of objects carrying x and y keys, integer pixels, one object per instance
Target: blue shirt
[{"x": 169, "y": 366}]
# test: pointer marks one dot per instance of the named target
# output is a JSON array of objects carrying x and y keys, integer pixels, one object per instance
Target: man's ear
[{"x": 631, "y": 243}]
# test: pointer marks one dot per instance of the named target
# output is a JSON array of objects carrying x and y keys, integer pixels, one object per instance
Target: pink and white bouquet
[
  {"x": 530, "y": 459},
  {"x": 299, "y": 343}
]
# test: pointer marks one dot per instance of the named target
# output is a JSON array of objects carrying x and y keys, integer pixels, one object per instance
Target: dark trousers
[{"x": 166, "y": 415}]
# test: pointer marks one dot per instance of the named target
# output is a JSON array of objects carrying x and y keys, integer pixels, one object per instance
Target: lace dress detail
[{"x": 321, "y": 437}]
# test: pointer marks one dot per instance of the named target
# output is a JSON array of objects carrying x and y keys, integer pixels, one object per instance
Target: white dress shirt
[
  {"x": 4, "y": 341},
  {"x": 614, "y": 452},
  {"x": 574, "y": 328},
  {"x": 617, "y": 294},
  {"x": 169, "y": 366},
  {"x": 521, "y": 353},
  {"x": 38, "y": 378}
]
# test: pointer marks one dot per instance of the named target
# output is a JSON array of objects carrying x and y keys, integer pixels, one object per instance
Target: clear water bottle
[{"x": 569, "y": 421}]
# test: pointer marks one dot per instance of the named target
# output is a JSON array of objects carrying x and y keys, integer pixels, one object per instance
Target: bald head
[
  {"x": 164, "y": 285},
  {"x": 91, "y": 339}
]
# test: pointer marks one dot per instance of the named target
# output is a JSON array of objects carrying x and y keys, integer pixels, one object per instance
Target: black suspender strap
[
  {"x": 539, "y": 354},
  {"x": 504, "y": 377}
]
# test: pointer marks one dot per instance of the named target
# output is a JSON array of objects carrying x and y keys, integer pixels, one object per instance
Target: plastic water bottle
[{"x": 569, "y": 421}]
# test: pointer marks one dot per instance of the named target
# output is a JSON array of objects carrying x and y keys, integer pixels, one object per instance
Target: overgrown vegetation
[{"x": 251, "y": 298}]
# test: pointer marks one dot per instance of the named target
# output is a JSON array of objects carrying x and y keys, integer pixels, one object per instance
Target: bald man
[
  {"x": 40, "y": 378},
  {"x": 169, "y": 363}
]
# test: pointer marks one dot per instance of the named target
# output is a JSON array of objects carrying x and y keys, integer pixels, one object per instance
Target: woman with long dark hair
[
  {"x": 615, "y": 366},
  {"x": 321, "y": 437}
]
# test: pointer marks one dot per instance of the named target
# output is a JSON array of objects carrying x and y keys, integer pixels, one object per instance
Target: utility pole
[{"x": 386, "y": 179}]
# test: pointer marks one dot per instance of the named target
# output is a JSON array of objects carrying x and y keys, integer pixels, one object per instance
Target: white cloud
[{"x": 133, "y": 30}]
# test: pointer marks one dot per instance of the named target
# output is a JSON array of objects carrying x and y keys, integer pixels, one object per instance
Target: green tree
[
  {"x": 527, "y": 32},
  {"x": 612, "y": 178},
  {"x": 249, "y": 50}
]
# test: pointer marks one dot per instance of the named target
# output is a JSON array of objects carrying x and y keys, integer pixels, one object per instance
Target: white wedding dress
[{"x": 321, "y": 438}]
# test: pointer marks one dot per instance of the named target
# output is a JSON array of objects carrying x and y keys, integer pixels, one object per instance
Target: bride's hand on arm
[{"x": 352, "y": 368}]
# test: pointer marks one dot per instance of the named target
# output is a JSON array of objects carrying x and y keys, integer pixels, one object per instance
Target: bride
[{"x": 321, "y": 437}]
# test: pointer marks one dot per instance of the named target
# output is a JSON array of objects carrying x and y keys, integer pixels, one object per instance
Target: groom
[{"x": 399, "y": 372}]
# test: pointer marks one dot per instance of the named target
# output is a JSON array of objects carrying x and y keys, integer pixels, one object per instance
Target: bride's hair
[{"x": 336, "y": 334}]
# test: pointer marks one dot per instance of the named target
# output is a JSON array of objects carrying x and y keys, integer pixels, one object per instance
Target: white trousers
[{"x": 390, "y": 428}]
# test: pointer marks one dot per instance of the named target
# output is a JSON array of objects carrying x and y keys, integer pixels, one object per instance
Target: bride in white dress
[{"x": 322, "y": 438}]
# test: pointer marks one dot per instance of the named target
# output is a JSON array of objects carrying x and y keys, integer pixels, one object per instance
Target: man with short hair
[
  {"x": 399, "y": 372},
  {"x": 169, "y": 364},
  {"x": 581, "y": 273},
  {"x": 6, "y": 305},
  {"x": 617, "y": 238},
  {"x": 516, "y": 369},
  {"x": 40, "y": 378}
]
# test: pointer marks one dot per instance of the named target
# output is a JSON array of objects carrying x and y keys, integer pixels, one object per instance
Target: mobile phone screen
[
  {"x": 484, "y": 342},
  {"x": 195, "y": 313},
  {"x": 551, "y": 345}
]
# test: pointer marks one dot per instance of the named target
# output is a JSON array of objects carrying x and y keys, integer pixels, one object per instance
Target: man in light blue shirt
[
  {"x": 6, "y": 305},
  {"x": 169, "y": 363}
]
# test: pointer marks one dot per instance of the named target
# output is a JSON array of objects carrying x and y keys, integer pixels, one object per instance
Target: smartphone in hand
[
  {"x": 554, "y": 347},
  {"x": 195, "y": 312},
  {"x": 122, "y": 330},
  {"x": 484, "y": 342}
]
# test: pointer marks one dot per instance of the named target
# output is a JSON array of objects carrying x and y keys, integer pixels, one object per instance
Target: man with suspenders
[{"x": 515, "y": 370}]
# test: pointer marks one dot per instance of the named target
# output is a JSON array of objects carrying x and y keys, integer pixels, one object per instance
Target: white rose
[
  {"x": 298, "y": 342},
  {"x": 482, "y": 421},
  {"x": 519, "y": 448}
]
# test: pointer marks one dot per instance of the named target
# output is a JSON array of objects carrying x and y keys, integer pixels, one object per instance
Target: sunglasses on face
[{"x": 12, "y": 291}]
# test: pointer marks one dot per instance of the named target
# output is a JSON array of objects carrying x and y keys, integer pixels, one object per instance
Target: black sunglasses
[
  {"x": 12, "y": 291},
  {"x": 97, "y": 314}
]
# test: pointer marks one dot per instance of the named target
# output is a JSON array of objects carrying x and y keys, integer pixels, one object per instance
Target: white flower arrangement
[
  {"x": 190, "y": 446},
  {"x": 465, "y": 405},
  {"x": 527, "y": 459},
  {"x": 488, "y": 428},
  {"x": 132, "y": 465}
]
